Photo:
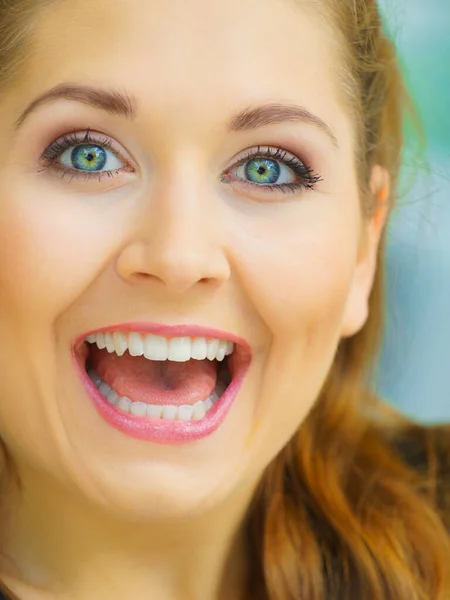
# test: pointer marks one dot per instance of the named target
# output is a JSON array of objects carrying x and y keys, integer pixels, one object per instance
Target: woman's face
[{"x": 219, "y": 193}]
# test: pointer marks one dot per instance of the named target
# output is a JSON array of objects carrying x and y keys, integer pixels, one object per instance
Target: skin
[{"x": 169, "y": 243}]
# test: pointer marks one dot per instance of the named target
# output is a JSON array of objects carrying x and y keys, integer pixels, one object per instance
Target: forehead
[{"x": 206, "y": 57}]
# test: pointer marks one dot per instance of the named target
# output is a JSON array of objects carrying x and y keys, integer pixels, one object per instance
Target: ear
[{"x": 357, "y": 308}]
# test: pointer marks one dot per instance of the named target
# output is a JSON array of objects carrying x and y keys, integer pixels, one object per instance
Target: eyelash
[
  {"x": 57, "y": 148},
  {"x": 308, "y": 178}
]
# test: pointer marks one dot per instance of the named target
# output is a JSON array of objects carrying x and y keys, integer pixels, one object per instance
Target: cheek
[
  {"x": 52, "y": 249},
  {"x": 298, "y": 275}
]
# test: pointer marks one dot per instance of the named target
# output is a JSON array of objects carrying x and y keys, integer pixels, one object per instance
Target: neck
[{"x": 62, "y": 545}]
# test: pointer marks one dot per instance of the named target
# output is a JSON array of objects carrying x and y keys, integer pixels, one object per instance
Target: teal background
[{"x": 414, "y": 369}]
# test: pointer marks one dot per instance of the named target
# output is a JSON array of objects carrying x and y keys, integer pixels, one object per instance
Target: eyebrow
[
  {"x": 112, "y": 101},
  {"x": 261, "y": 116},
  {"x": 121, "y": 104}
]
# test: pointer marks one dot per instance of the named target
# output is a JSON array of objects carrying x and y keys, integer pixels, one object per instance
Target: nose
[{"x": 178, "y": 244}]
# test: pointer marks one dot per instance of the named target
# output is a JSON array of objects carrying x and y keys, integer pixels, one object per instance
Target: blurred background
[{"x": 414, "y": 369}]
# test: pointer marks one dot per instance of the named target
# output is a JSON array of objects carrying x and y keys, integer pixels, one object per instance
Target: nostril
[{"x": 138, "y": 277}]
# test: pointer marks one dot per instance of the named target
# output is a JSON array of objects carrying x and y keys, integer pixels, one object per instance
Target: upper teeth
[{"x": 155, "y": 347}]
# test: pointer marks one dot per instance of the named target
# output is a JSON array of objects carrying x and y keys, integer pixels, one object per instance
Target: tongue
[{"x": 155, "y": 382}]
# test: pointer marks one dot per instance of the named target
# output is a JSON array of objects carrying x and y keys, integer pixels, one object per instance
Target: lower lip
[{"x": 164, "y": 431}]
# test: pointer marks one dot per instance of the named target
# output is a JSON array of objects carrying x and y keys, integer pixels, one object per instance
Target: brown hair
[
  {"x": 354, "y": 507},
  {"x": 340, "y": 514}
]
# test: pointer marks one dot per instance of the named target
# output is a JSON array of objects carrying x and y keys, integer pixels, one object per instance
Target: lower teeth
[{"x": 157, "y": 411}]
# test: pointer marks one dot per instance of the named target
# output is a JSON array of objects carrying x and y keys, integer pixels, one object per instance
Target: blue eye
[
  {"x": 90, "y": 158},
  {"x": 269, "y": 170},
  {"x": 273, "y": 169},
  {"x": 263, "y": 170},
  {"x": 80, "y": 155}
]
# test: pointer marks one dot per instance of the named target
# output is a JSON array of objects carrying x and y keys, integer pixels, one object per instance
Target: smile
[{"x": 164, "y": 384}]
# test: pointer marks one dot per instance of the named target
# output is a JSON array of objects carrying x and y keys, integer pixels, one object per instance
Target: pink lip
[{"x": 158, "y": 430}]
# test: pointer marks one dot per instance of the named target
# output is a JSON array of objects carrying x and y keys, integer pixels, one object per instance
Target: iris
[
  {"x": 264, "y": 171},
  {"x": 88, "y": 157}
]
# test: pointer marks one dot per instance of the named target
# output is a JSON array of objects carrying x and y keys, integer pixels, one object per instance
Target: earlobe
[{"x": 357, "y": 308}]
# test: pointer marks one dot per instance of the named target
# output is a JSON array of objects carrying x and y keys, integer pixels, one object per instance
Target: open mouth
[{"x": 146, "y": 383}]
